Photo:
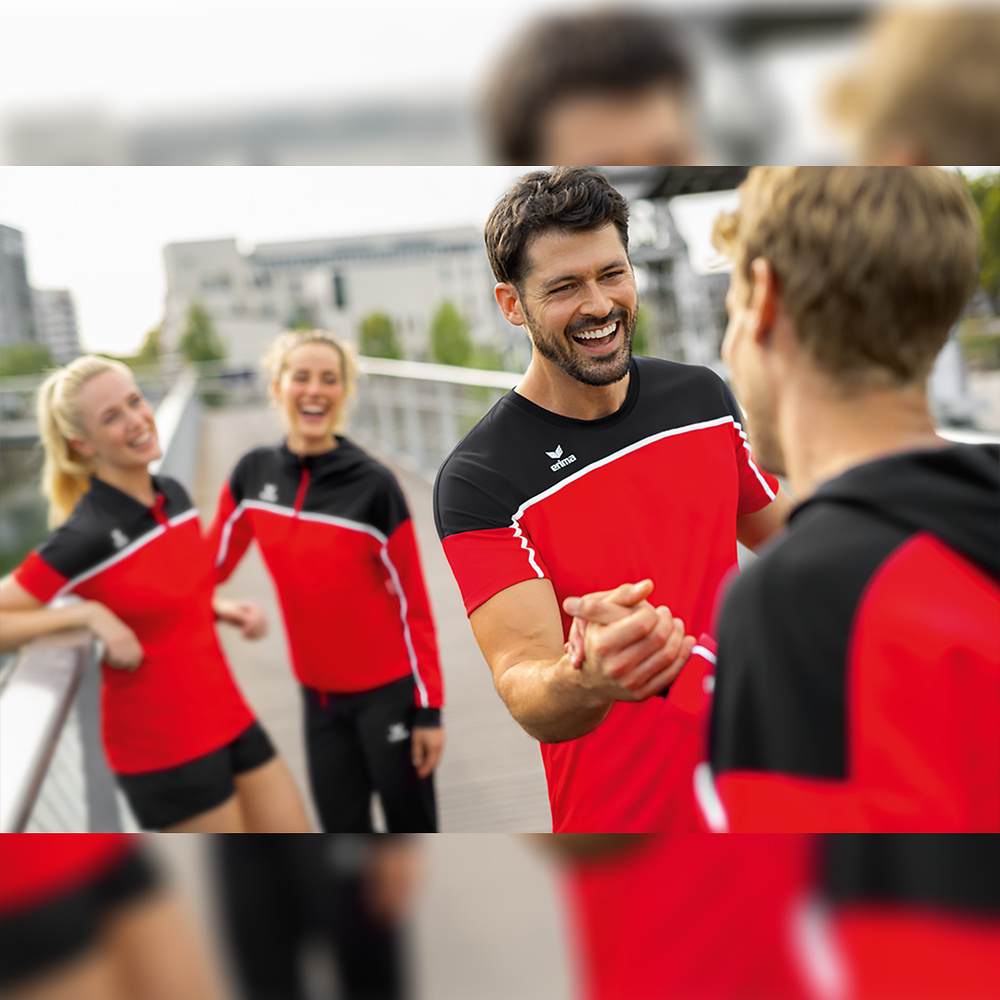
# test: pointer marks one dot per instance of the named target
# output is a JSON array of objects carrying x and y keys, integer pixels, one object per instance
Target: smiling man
[{"x": 598, "y": 468}]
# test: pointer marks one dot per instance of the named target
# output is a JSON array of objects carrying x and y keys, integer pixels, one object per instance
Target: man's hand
[
  {"x": 247, "y": 616},
  {"x": 625, "y": 646},
  {"x": 427, "y": 744}
]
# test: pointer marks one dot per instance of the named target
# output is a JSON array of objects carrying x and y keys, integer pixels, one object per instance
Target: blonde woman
[
  {"x": 183, "y": 744},
  {"x": 335, "y": 532}
]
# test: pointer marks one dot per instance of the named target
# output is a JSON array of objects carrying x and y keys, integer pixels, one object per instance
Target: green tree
[
  {"x": 149, "y": 353},
  {"x": 986, "y": 193},
  {"x": 302, "y": 318},
  {"x": 640, "y": 338},
  {"x": 378, "y": 337},
  {"x": 450, "y": 340},
  {"x": 199, "y": 341},
  {"x": 25, "y": 359}
]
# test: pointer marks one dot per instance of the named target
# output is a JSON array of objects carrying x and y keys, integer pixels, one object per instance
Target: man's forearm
[{"x": 549, "y": 702}]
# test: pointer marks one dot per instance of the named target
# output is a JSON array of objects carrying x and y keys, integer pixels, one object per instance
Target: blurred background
[
  {"x": 306, "y": 82},
  {"x": 589, "y": 917}
]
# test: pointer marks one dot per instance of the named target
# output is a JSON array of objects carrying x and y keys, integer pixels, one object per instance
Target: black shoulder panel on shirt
[
  {"x": 783, "y": 643},
  {"x": 519, "y": 450},
  {"x": 957, "y": 872},
  {"x": 345, "y": 482},
  {"x": 104, "y": 522}
]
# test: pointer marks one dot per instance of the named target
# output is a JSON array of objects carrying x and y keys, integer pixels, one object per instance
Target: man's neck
[
  {"x": 548, "y": 386},
  {"x": 824, "y": 433}
]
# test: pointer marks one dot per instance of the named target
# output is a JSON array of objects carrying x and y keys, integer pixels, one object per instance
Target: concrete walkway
[{"x": 491, "y": 778}]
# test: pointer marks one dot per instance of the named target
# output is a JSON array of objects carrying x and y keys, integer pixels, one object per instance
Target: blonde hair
[
  {"x": 275, "y": 361},
  {"x": 66, "y": 473},
  {"x": 931, "y": 78},
  {"x": 873, "y": 264}
]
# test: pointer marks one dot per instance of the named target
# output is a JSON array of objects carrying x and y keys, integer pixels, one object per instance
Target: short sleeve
[{"x": 39, "y": 579}]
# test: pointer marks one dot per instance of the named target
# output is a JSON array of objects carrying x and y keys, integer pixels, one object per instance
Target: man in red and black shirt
[{"x": 598, "y": 468}]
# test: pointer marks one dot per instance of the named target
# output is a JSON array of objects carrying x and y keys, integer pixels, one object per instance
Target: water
[{"x": 23, "y": 512}]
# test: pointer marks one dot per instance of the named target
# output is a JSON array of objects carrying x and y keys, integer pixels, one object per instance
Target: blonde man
[{"x": 858, "y": 678}]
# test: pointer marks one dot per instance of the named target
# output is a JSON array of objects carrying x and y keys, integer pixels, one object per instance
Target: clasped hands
[{"x": 623, "y": 646}]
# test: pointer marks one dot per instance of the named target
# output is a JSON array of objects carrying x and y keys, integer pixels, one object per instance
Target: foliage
[
  {"x": 487, "y": 359},
  {"x": 377, "y": 337},
  {"x": 199, "y": 341},
  {"x": 25, "y": 359},
  {"x": 301, "y": 319},
  {"x": 640, "y": 338},
  {"x": 986, "y": 193},
  {"x": 151, "y": 350},
  {"x": 450, "y": 340}
]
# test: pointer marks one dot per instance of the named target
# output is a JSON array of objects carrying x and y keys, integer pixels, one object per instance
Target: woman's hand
[
  {"x": 247, "y": 616},
  {"x": 427, "y": 744},
  {"x": 121, "y": 646}
]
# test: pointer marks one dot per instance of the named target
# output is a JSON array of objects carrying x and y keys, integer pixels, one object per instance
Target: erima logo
[
  {"x": 269, "y": 494},
  {"x": 397, "y": 732},
  {"x": 119, "y": 538},
  {"x": 560, "y": 462}
]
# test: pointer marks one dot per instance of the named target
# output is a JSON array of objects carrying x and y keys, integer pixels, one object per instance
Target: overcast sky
[{"x": 100, "y": 231}]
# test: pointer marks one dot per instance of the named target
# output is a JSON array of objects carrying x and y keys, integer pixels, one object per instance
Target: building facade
[
  {"x": 17, "y": 321},
  {"x": 55, "y": 323},
  {"x": 252, "y": 295}
]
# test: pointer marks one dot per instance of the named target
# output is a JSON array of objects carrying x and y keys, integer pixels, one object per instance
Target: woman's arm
[{"x": 23, "y": 618}]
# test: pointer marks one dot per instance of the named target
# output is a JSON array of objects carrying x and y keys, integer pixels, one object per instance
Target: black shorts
[
  {"x": 44, "y": 935},
  {"x": 165, "y": 798}
]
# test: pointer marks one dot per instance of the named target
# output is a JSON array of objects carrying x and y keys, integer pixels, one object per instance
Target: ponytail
[{"x": 66, "y": 473}]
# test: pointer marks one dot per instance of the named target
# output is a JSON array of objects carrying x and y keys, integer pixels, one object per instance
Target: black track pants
[
  {"x": 281, "y": 893},
  {"x": 358, "y": 744}
]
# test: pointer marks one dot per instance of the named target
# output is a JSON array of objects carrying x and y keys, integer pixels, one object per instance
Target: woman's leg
[
  {"x": 269, "y": 800},
  {"x": 155, "y": 955},
  {"x": 227, "y": 818},
  {"x": 384, "y": 724},
  {"x": 87, "y": 978},
  {"x": 338, "y": 773}
]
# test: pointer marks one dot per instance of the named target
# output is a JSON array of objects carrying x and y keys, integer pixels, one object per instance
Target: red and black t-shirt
[
  {"x": 336, "y": 535},
  {"x": 858, "y": 679},
  {"x": 690, "y": 917},
  {"x": 153, "y": 569},
  {"x": 37, "y": 867},
  {"x": 652, "y": 490}
]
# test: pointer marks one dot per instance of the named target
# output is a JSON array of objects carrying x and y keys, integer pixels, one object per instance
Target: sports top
[
  {"x": 34, "y": 868},
  {"x": 652, "y": 490},
  {"x": 858, "y": 678},
  {"x": 152, "y": 568},
  {"x": 336, "y": 535}
]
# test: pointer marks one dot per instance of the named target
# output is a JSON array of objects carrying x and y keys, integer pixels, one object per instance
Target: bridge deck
[{"x": 491, "y": 777}]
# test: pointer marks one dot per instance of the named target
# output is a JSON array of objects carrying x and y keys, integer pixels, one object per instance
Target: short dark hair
[
  {"x": 603, "y": 51},
  {"x": 575, "y": 199}
]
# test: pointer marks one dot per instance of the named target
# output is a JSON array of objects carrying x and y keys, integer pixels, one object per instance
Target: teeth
[
  {"x": 139, "y": 442},
  {"x": 313, "y": 411},
  {"x": 597, "y": 334}
]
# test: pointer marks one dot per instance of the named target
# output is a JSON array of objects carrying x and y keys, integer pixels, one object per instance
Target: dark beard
[{"x": 588, "y": 370}]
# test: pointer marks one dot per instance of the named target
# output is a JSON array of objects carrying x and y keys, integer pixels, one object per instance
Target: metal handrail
[{"x": 36, "y": 702}]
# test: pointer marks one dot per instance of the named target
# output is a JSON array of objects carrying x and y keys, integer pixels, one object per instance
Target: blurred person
[
  {"x": 90, "y": 918},
  {"x": 858, "y": 678},
  {"x": 686, "y": 916},
  {"x": 336, "y": 535},
  {"x": 927, "y": 90},
  {"x": 596, "y": 467},
  {"x": 904, "y": 915},
  {"x": 610, "y": 86},
  {"x": 344, "y": 894},
  {"x": 183, "y": 744}
]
